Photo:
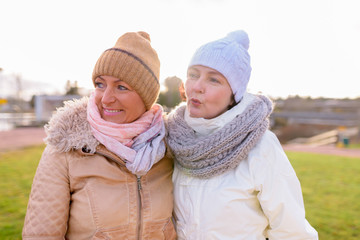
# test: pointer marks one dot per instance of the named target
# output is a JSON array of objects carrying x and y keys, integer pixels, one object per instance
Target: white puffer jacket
[{"x": 260, "y": 199}]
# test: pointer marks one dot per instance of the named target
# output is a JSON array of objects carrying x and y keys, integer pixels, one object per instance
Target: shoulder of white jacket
[
  {"x": 267, "y": 150},
  {"x": 267, "y": 141}
]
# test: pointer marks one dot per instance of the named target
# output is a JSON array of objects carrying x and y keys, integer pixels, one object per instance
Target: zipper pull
[{"x": 139, "y": 182}]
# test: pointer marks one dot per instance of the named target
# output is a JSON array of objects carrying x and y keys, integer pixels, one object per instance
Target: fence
[{"x": 330, "y": 137}]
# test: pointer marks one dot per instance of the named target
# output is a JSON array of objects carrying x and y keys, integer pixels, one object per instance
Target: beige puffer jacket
[{"x": 81, "y": 190}]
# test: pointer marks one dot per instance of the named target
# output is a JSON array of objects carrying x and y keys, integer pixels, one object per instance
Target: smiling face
[
  {"x": 208, "y": 92},
  {"x": 117, "y": 101}
]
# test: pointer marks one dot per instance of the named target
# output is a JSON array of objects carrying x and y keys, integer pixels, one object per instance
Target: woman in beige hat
[{"x": 104, "y": 173}]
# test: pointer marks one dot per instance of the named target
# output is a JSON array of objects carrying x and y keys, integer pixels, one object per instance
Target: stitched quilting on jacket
[{"x": 81, "y": 190}]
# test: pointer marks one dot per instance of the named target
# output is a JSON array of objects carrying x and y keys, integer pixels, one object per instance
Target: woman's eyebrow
[{"x": 193, "y": 68}]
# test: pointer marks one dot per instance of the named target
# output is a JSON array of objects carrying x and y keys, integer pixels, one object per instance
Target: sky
[{"x": 297, "y": 47}]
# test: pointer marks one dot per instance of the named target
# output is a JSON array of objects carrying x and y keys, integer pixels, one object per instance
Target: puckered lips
[{"x": 195, "y": 102}]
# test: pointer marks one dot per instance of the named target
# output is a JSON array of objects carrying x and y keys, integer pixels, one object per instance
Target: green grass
[
  {"x": 354, "y": 146},
  {"x": 330, "y": 184},
  {"x": 17, "y": 169},
  {"x": 331, "y": 193}
]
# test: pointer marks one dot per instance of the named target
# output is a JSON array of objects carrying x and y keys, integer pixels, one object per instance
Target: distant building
[
  {"x": 297, "y": 117},
  {"x": 45, "y": 105},
  {"x": 331, "y": 112}
]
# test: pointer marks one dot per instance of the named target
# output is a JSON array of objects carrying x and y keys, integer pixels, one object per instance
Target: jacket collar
[
  {"x": 103, "y": 151},
  {"x": 68, "y": 129}
]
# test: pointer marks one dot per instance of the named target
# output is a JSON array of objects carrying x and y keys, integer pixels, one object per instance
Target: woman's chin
[
  {"x": 195, "y": 114},
  {"x": 113, "y": 119}
]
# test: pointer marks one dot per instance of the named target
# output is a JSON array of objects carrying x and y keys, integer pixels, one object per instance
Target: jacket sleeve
[
  {"x": 280, "y": 194},
  {"x": 48, "y": 207}
]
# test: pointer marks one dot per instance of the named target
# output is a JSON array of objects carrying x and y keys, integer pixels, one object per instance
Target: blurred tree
[
  {"x": 171, "y": 96},
  {"x": 18, "y": 85},
  {"x": 32, "y": 101},
  {"x": 71, "y": 88}
]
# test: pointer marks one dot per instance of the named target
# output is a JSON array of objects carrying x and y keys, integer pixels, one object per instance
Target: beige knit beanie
[{"x": 135, "y": 62}]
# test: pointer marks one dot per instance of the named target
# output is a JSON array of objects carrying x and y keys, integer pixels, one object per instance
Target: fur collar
[{"x": 69, "y": 129}]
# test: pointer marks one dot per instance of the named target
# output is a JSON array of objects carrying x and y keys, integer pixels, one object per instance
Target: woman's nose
[
  {"x": 199, "y": 85},
  {"x": 108, "y": 97}
]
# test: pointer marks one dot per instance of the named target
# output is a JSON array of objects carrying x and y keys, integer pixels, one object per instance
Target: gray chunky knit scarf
[{"x": 212, "y": 155}]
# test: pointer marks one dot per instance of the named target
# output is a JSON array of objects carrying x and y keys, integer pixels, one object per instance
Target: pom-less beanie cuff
[
  {"x": 230, "y": 57},
  {"x": 135, "y": 62}
]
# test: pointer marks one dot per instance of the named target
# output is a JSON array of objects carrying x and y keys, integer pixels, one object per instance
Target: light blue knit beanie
[{"x": 230, "y": 57}]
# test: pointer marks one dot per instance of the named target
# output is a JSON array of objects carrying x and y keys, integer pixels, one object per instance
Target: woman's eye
[
  {"x": 121, "y": 87},
  {"x": 192, "y": 75},
  {"x": 214, "y": 80},
  {"x": 99, "y": 85}
]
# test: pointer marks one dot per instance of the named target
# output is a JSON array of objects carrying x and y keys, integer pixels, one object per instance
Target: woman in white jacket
[{"x": 232, "y": 179}]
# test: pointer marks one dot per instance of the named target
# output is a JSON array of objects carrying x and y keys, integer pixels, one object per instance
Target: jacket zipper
[
  {"x": 139, "y": 224},
  {"x": 139, "y": 187}
]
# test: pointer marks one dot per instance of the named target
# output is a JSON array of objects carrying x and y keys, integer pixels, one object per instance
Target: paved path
[
  {"x": 23, "y": 137},
  {"x": 330, "y": 150}
]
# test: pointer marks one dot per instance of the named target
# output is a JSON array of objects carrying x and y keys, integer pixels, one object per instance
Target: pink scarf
[{"x": 139, "y": 143}]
